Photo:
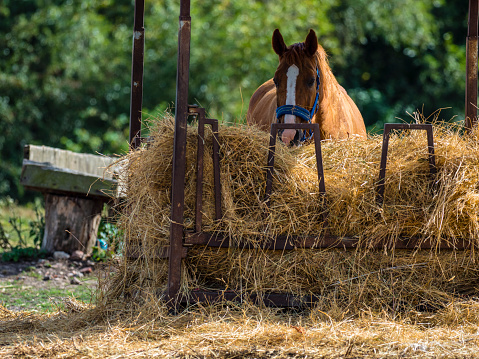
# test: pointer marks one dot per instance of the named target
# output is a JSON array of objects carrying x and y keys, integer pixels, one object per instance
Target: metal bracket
[
  {"x": 272, "y": 145},
  {"x": 384, "y": 154},
  {"x": 199, "y": 112}
]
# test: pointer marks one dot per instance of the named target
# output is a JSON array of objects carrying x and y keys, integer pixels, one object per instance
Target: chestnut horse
[{"x": 304, "y": 89}]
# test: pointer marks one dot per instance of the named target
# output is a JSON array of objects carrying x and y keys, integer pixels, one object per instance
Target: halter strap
[
  {"x": 293, "y": 110},
  {"x": 301, "y": 111}
]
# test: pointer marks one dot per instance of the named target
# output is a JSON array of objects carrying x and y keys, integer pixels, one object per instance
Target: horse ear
[
  {"x": 311, "y": 43},
  {"x": 278, "y": 43}
]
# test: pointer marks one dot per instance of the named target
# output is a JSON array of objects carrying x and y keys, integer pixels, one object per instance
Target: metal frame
[
  {"x": 179, "y": 155},
  {"x": 138, "y": 51},
  {"x": 272, "y": 144},
  {"x": 202, "y": 121},
  {"x": 384, "y": 153},
  {"x": 181, "y": 240},
  {"x": 287, "y": 242}
]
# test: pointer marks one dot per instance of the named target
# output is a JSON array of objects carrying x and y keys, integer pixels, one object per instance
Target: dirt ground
[
  {"x": 48, "y": 269},
  {"x": 37, "y": 281}
]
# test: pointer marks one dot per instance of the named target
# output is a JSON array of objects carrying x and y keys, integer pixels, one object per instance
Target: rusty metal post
[
  {"x": 179, "y": 155},
  {"x": 216, "y": 167},
  {"x": 382, "y": 167},
  {"x": 200, "y": 153},
  {"x": 319, "y": 159},
  {"x": 471, "y": 65},
  {"x": 270, "y": 164},
  {"x": 136, "y": 97}
]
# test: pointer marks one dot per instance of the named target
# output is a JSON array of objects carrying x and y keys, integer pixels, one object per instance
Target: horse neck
[{"x": 331, "y": 91}]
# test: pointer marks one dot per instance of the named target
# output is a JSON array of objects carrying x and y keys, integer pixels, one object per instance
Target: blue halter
[{"x": 301, "y": 112}]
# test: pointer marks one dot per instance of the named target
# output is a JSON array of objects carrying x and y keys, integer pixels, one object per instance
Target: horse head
[{"x": 298, "y": 84}]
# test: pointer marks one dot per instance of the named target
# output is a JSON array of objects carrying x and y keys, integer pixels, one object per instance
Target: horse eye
[{"x": 311, "y": 81}]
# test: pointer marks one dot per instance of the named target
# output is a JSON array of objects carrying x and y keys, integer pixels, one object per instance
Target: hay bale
[{"x": 348, "y": 279}]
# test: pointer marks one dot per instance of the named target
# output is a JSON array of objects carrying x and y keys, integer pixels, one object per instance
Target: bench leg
[{"x": 71, "y": 223}]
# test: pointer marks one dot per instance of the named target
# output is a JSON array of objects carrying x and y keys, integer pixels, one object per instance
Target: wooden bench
[{"x": 75, "y": 187}]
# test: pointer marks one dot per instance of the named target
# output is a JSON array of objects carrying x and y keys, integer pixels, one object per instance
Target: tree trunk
[{"x": 71, "y": 223}]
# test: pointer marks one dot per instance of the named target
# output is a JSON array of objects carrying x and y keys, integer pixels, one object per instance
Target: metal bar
[
  {"x": 319, "y": 159},
  {"x": 407, "y": 126},
  {"x": 382, "y": 167},
  {"x": 270, "y": 164},
  {"x": 200, "y": 112},
  {"x": 471, "y": 65},
  {"x": 179, "y": 155},
  {"x": 432, "y": 157},
  {"x": 278, "y": 243},
  {"x": 384, "y": 153},
  {"x": 268, "y": 299},
  {"x": 216, "y": 169},
  {"x": 136, "y": 96},
  {"x": 135, "y": 252},
  {"x": 319, "y": 166},
  {"x": 282, "y": 243},
  {"x": 200, "y": 153}
]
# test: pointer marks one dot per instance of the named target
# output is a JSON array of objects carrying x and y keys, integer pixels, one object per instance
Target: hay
[
  {"x": 346, "y": 280},
  {"x": 236, "y": 332}
]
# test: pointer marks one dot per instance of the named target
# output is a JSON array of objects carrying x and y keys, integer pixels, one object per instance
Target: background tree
[{"x": 64, "y": 75}]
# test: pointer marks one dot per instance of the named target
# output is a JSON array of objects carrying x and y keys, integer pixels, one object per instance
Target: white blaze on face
[{"x": 292, "y": 75}]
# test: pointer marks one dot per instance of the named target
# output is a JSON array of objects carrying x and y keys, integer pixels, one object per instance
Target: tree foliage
[{"x": 65, "y": 66}]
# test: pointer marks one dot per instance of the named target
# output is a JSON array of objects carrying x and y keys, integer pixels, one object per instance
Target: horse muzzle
[{"x": 290, "y": 137}]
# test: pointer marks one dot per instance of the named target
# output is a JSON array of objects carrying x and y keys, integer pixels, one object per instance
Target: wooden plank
[
  {"x": 47, "y": 178},
  {"x": 79, "y": 162}
]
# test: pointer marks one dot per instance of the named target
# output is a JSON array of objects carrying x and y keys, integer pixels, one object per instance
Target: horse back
[{"x": 262, "y": 106}]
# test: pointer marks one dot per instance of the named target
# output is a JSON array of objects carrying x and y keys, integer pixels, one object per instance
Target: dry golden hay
[
  {"x": 235, "y": 331},
  {"x": 351, "y": 280}
]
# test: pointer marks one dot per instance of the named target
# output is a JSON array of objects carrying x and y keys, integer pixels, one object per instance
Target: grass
[
  {"x": 17, "y": 295},
  {"x": 15, "y": 223},
  {"x": 31, "y": 273},
  {"x": 20, "y": 225}
]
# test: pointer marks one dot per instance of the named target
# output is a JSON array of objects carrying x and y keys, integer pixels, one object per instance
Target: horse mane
[{"x": 332, "y": 91}]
